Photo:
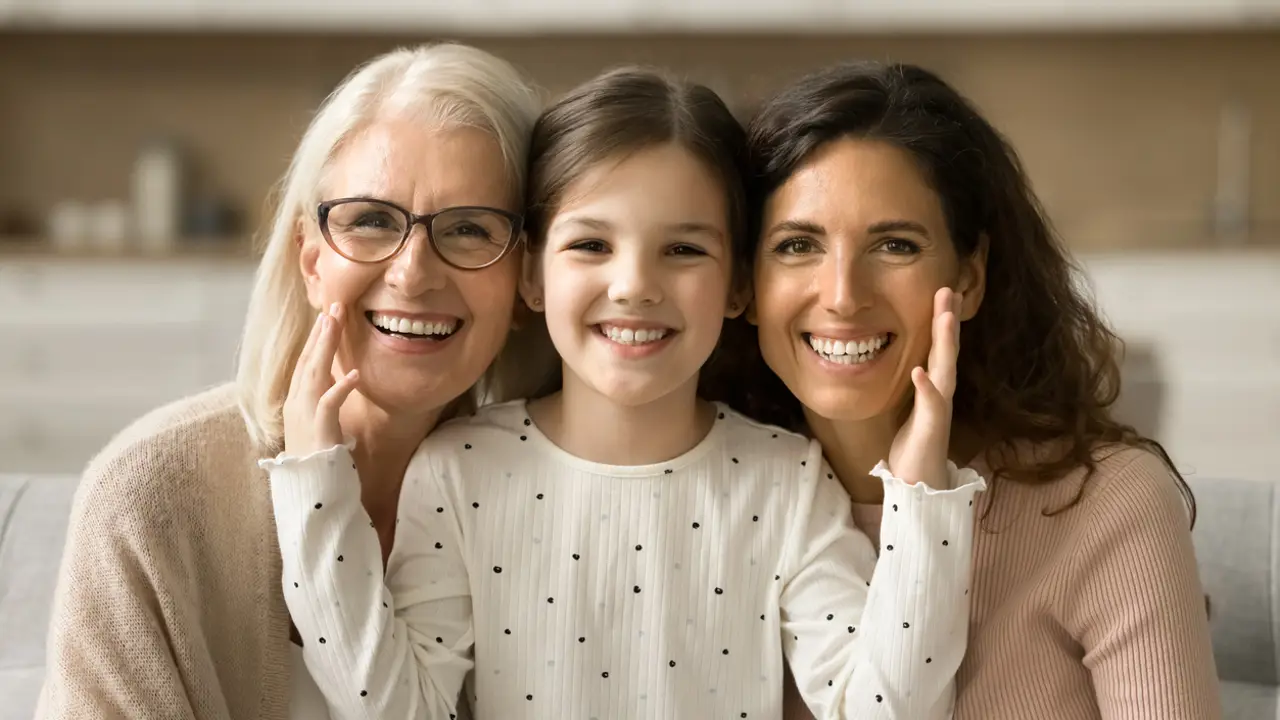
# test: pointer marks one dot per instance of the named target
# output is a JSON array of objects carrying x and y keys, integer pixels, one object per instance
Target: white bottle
[{"x": 157, "y": 197}]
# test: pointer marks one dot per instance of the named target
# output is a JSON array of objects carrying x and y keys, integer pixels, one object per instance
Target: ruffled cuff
[
  {"x": 962, "y": 481},
  {"x": 332, "y": 454}
]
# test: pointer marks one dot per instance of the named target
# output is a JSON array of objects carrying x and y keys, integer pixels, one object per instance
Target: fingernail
[
  {"x": 326, "y": 323},
  {"x": 333, "y": 309}
]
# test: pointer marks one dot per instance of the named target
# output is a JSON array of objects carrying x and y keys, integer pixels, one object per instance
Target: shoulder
[
  {"x": 505, "y": 421},
  {"x": 467, "y": 444},
  {"x": 153, "y": 465},
  {"x": 1133, "y": 484},
  {"x": 760, "y": 441}
]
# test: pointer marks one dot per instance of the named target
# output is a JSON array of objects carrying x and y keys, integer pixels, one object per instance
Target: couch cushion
[
  {"x": 1237, "y": 549},
  {"x": 33, "y": 527}
]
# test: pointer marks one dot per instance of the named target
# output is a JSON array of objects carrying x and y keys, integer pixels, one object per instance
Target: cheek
[
  {"x": 490, "y": 296},
  {"x": 339, "y": 280},
  {"x": 778, "y": 303}
]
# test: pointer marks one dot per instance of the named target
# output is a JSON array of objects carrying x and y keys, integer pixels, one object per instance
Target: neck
[
  {"x": 385, "y": 442},
  {"x": 589, "y": 425},
  {"x": 853, "y": 447}
]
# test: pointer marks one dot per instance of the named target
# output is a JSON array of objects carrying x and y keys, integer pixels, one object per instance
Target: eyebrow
[
  {"x": 695, "y": 228},
  {"x": 587, "y": 222},
  {"x": 684, "y": 228},
  {"x": 884, "y": 226}
]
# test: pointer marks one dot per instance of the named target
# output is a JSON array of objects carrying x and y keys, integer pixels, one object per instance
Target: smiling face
[
  {"x": 855, "y": 246},
  {"x": 635, "y": 274},
  {"x": 420, "y": 332}
]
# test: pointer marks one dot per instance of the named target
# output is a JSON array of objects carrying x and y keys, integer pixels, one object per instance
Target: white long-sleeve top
[{"x": 580, "y": 590}]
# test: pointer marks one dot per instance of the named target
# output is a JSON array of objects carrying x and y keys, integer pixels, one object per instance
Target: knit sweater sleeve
[
  {"x": 887, "y": 647},
  {"x": 121, "y": 588},
  {"x": 394, "y": 649},
  {"x": 1136, "y": 604}
]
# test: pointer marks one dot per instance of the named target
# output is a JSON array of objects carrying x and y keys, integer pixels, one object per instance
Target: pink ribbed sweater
[{"x": 1095, "y": 612}]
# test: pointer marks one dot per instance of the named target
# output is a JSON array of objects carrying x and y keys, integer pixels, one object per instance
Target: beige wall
[{"x": 1117, "y": 131}]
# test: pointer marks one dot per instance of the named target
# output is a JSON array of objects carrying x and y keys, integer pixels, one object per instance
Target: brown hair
[
  {"x": 1037, "y": 363},
  {"x": 624, "y": 111}
]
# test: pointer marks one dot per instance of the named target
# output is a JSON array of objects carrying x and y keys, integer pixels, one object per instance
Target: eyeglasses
[{"x": 370, "y": 231}]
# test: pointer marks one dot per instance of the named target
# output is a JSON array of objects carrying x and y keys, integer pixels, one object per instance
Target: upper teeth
[
  {"x": 827, "y": 346},
  {"x": 413, "y": 327},
  {"x": 627, "y": 336}
]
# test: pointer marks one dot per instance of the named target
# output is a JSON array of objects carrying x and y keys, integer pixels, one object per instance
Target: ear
[
  {"x": 739, "y": 300},
  {"x": 308, "y": 258},
  {"x": 751, "y": 313},
  {"x": 531, "y": 287},
  {"x": 973, "y": 279}
]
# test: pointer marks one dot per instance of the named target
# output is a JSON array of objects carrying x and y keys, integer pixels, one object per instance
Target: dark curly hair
[{"x": 1037, "y": 363}]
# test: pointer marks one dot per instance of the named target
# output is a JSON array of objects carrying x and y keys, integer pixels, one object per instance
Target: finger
[
  {"x": 330, "y": 403},
  {"x": 944, "y": 349},
  {"x": 300, "y": 367},
  {"x": 928, "y": 398},
  {"x": 320, "y": 370}
]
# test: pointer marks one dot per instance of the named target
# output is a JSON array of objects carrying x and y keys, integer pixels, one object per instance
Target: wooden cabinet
[{"x": 88, "y": 346}]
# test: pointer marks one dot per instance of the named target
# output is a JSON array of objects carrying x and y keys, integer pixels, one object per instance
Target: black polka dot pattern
[{"x": 740, "y": 514}]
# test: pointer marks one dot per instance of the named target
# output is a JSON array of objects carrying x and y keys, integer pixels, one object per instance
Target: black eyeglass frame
[{"x": 516, "y": 220}]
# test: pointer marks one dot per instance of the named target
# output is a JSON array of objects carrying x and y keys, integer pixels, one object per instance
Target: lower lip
[
  {"x": 634, "y": 352},
  {"x": 846, "y": 369},
  {"x": 408, "y": 346}
]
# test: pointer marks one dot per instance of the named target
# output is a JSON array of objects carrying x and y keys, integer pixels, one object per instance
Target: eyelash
[
  {"x": 789, "y": 246},
  {"x": 598, "y": 246},
  {"x": 909, "y": 248},
  {"x": 792, "y": 246},
  {"x": 591, "y": 245}
]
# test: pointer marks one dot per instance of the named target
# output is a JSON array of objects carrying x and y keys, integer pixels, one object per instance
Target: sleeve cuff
[
  {"x": 963, "y": 481},
  {"x": 284, "y": 459}
]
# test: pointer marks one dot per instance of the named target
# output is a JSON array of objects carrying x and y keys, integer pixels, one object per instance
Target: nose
[
  {"x": 843, "y": 286},
  {"x": 634, "y": 281},
  {"x": 417, "y": 269}
]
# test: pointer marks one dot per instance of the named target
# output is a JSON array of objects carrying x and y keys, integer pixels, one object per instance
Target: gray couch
[{"x": 1237, "y": 539}]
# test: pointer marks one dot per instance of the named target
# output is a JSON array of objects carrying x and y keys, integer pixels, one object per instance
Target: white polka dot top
[{"x": 554, "y": 587}]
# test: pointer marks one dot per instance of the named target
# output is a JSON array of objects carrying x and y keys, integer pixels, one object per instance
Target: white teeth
[
  {"x": 627, "y": 336},
  {"x": 405, "y": 326},
  {"x": 851, "y": 352}
]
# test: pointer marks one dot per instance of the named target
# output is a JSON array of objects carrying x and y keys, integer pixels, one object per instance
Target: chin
[
  {"x": 844, "y": 404},
  {"x": 634, "y": 393},
  {"x": 411, "y": 394}
]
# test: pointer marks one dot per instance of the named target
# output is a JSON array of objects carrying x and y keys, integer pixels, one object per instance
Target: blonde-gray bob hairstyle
[{"x": 446, "y": 85}]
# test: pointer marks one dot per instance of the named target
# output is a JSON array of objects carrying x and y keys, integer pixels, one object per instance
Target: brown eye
[
  {"x": 794, "y": 246},
  {"x": 898, "y": 246}
]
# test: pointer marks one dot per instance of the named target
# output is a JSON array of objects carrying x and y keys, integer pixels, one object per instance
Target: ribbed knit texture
[
  {"x": 168, "y": 602},
  {"x": 1094, "y": 612},
  {"x": 672, "y": 590}
]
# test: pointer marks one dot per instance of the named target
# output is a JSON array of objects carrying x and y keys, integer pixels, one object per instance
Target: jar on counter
[{"x": 157, "y": 196}]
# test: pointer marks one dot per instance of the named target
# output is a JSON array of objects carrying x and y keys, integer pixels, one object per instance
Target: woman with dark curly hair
[{"x": 876, "y": 185}]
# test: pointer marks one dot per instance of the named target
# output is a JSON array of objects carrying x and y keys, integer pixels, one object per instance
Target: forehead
[
  {"x": 662, "y": 184},
  {"x": 857, "y": 182},
  {"x": 421, "y": 165}
]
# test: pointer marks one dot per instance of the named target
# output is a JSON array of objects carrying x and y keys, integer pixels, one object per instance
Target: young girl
[{"x": 619, "y": 548}]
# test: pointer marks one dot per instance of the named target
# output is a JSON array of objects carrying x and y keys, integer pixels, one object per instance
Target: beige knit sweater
[
  {"x": 1095, "y": 612},
  {"x": 169, "y": 603}
]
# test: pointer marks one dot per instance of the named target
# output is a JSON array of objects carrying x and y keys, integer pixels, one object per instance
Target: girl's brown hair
[
  {"x": 1037, "y": 363},
  {"x": 624, "y": 111}
]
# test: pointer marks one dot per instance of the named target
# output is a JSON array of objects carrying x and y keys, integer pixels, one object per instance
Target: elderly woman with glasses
[{"x": 391, "y": 250}]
